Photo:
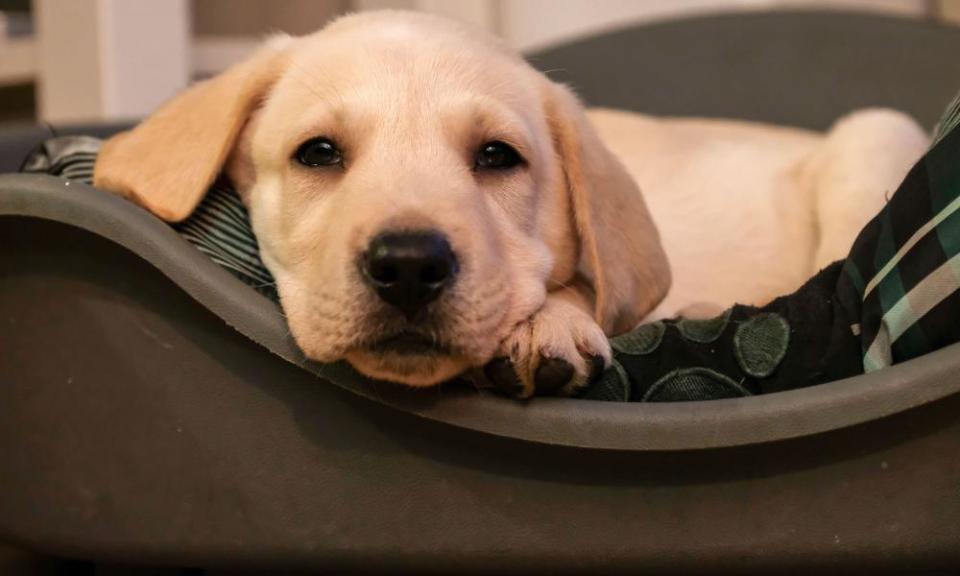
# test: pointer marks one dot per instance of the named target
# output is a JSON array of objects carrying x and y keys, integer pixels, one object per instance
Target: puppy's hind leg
[{"x": 863, "y": 159}]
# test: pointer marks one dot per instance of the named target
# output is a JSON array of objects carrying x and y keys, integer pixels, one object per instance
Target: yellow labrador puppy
[{"x": 428, "y": 202}]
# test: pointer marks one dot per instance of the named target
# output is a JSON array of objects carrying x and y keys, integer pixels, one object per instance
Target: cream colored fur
[
  {"x": 746, "y": 211},
  {"x": 553, "y": 254}
]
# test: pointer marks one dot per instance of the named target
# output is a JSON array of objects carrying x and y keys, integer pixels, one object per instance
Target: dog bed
[{"x": 153, "y": 408}]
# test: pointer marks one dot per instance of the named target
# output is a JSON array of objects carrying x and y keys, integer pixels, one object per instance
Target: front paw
[{"x": 557, "y": 351}]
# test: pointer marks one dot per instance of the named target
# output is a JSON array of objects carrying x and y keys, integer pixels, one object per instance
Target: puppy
[{"x": 428, "y": 202}]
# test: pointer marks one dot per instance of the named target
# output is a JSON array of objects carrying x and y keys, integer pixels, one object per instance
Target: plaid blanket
[{"x": 902, "y": 275}]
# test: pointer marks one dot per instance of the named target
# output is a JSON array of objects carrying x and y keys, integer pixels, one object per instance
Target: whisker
[{"x": 552, "y": 70}]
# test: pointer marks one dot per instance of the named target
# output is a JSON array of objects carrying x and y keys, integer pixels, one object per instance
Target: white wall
[{"x": 109, "y": 59}]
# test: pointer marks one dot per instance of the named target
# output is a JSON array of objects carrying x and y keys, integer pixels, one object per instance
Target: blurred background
[
  {"x": 82, "y": 60},
  {"x": 65, "y": 61}
]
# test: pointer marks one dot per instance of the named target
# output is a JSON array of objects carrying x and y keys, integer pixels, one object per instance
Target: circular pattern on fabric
[
  {"x": 612, "y": 386},
  {"x": 704, "y": 331},
  {"x": 760, "y": 344},
  {"x": 643, "y": 339},
  {"x": 691, "y": 384}
]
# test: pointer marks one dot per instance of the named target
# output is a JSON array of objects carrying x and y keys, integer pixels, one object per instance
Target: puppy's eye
[
  {"x": 318, "y": 152},
  {"x": 497, "y": 155}
]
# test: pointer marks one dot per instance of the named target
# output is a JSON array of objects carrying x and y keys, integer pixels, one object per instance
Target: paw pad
[
  {"x": 501, "y": 374},
  {"x": 552, "y": 374}
]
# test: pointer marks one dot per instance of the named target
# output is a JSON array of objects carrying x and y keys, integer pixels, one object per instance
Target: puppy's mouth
[
  {"x": 410, "y": 343},
  {"x": 409, "y": 357}
]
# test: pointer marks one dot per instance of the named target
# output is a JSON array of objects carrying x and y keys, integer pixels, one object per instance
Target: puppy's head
[{"x": 416, "y": 190}]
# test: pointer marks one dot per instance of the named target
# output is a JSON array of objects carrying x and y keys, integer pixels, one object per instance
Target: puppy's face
[
  {"x": 400, "y": 186},
  {"x": 416, "y": 190}
]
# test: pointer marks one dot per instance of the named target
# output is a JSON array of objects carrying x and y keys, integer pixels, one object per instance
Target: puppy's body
[
  {"x": 749, "y": 211},
  {"x": 453, "y": 205}
]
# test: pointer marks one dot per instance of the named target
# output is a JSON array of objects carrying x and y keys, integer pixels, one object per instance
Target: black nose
[{"x": 409, "y": 269}]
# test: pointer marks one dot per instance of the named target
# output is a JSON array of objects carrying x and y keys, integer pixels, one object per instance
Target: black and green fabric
[
  {"x": 793, "y": 342},
  {"x": 895, "y": 296}
]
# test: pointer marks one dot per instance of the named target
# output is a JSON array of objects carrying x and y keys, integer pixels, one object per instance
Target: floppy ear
[
  {"x": 168, "y": 161},
  {"x": 620, "y": 251}
]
